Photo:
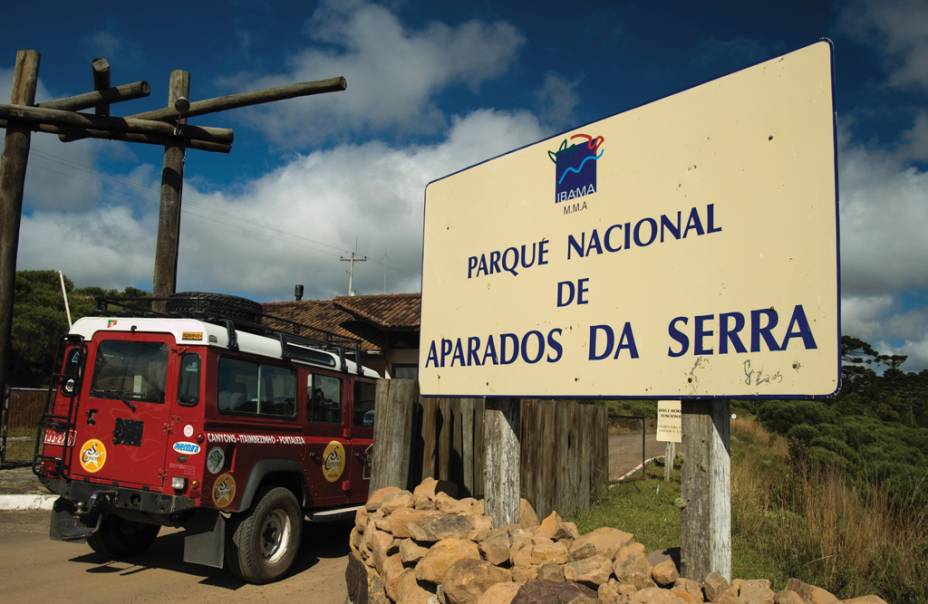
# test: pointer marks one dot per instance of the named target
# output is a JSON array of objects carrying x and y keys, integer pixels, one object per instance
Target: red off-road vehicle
[{"x": 210, "y": 417}]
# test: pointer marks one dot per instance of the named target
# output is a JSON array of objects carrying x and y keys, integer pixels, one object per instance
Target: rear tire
[
  {"x": 200, "y": 304},
  {"x": 117, "y": 537},
  {"x": 265, "y": 541}
]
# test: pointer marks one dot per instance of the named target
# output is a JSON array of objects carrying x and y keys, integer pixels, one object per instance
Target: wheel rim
[{"x": 275, "y": 535}]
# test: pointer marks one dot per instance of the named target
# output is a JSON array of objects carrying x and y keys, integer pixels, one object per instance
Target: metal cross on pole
[{"x": 166, "y": 127}]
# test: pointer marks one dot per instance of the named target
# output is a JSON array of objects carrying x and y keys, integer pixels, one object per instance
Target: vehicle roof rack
[{"x": 297, "y": 340}]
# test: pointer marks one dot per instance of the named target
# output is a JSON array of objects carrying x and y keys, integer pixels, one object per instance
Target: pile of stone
[{"x": 426, "y": 547}]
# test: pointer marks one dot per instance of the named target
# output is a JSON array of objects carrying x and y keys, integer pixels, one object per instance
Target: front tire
[
  {"x": 117, "y": 537},
  {"x": 265, "y": 542}
]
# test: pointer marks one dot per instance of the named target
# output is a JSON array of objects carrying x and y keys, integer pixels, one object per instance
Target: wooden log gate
[{"x": 564, "y": 446}]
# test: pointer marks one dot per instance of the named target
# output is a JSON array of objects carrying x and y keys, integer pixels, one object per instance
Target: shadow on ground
[{"x": 319, "y": 541}]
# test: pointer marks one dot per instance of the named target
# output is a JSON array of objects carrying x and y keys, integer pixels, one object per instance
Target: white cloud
[
  {"x": 58, "y": 175},
  {"x": 393, "y": 73},
  {"x": 915, "y": 139},
  {"x": 103, "y": 43},
  {"x": 897, "y": 27},
  {"x": 861, "y": 316},
  {"x": 557, "y": 99},
  {"x": 289, "y": 226},
  {"x": 884, "y": 210}
]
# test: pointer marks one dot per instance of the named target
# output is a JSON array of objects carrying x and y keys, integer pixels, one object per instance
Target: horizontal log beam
[
  {"x": 101, "y": 81},
  {"x": 72, "y": 119},
  {"x": 242, "y": 99},
  {"x": 132, "y": 137},
  {"x": 123, "y": 92}
]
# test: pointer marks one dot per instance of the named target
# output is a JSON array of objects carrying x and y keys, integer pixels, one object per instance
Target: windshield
[{"x": 130, "y": 370}]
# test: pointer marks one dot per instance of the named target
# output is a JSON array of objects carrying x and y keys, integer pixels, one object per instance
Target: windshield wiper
[{"x": 128, "y": 403}]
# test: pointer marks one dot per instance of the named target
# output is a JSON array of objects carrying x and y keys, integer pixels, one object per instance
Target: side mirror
[{"x": 73, "y": 369}]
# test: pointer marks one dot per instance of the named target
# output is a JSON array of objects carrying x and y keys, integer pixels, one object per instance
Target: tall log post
[
  {"x": 705, "y": 540},
  {"x": 164, "y": 282},
  {"x": 12, "y": 178},
  {"x": 503, "y": 450}
]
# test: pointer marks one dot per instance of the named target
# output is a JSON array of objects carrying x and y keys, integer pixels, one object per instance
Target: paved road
[
  {"x": 35, "y": 569},
  {"x": 625, "y": 452}
]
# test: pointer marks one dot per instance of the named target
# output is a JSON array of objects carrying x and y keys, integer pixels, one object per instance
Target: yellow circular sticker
[
  {"x": 93, "y": 455},
  {"x": 333, "y": 461},
  {"x": 223, "y": 490}
]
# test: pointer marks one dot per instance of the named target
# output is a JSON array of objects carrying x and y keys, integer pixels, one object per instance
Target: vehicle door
[
  {"x": 186, "y": 448},
  {"x": 121, "y": 427},
  {"x": 328, "y": 448},
  {"x": 362, "y": 438}
]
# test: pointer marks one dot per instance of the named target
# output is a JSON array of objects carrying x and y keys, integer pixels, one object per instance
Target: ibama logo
[{"x": 575, "y": 166}]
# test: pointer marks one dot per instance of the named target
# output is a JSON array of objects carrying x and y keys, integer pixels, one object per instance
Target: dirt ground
[{"x": 34, "y": 568}]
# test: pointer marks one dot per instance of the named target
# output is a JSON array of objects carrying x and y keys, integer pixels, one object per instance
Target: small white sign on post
[{"x": 669, "y": 422}]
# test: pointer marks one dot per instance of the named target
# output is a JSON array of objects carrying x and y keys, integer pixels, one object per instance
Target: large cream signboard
[{"x": 685, "y": 248}]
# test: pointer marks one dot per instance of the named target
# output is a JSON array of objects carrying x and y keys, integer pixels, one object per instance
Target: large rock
[
  {"x": 398, "y": 522},
  {"x": 714, "y": 585},
  {"x": 595, "y": 569},
  {"x": 500, "y": 593},
  {"x": 811, "y": 593},
  {"x": 551, "y": 572},
  {"x": 410, "y": 551},
  {"x": 467, "y": 579},
  {"x": 653, "y": 595},
  {"x": 376, "y": 498},
  {"x": 522, "y": 574},
  {"x": 408, "y": 590},
  {"x": 546, "y": 553},
  {"x": 871, "y": 599},
  {"x": 691, "y": 589},
  {"x": 547, "y": 592},
  {"x": 609, "y": 594},
  {"x": 360, "y": 519},
  {"x": 424, "y": 495},
  {"x": 391, "y": 571},
  {"x": 442, "y": 556},
  {"x": 665, "y": 573},
  {"x": 379, "y": 543},
  {"x": 495, "y": 547},
  {"x": 434, "y": 527},
  {"x": 756, "y": 591},
  {"x": 395, "y": 501},
  {"x": 605, "y": 541},
  {"x": 449, "y": 505},
  {"x": 554, "y": 527},
  {"x": 631, "y": 560},
  {"x": 482, "y": 525},
  {"x": 787, "y": 596},
  {"x": 528, "y": 518}
]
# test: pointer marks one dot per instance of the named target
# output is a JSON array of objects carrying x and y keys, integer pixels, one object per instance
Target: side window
[
  {"x": 188, "y": 383},
  {"x": 246, "y": 387},
  {"x": 363, "y": 404},
  {"x": 278, "y": 391},
  {"x": 325, "y": 399},
  {"x": 238, "y": 386}
]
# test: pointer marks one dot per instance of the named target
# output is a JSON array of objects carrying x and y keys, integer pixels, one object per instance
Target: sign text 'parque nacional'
[{"x": 685, "y": 248}]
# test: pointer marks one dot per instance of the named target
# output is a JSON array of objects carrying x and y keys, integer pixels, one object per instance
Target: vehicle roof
[{"x": 193, "y": 332}]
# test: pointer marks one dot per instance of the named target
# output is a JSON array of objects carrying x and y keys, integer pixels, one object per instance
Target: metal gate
[{"x": 19, "y": 421}]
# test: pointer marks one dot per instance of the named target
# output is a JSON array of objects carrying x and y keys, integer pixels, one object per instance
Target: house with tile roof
[{"x": 386, "y": 326}]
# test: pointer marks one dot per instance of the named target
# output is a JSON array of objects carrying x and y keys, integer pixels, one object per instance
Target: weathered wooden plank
[
  {"x": 479, "y": 449},
  {"x": 12, "y": 178},
  {"x": 528, "y": 462},
  {"x": 429, "y": 436},
  {"x": 444, "y": 440},
  {"x": 132, "y": 137},
  {"x": 584, "y": 422},
  {"x": 467, "y": 444},
  {"x": 394, "y": 402},
  {"x": 705, "y": 539},
  {"x": 456, "y": 470},
  {"x": 502, "y": 427},
  {"x": 548, "y": 497},
  {"x": 101, "y": 81}
]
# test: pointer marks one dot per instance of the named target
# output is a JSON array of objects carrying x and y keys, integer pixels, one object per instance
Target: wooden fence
[
  {"x": 25, "y": 407},
  {"x": 564, "y": 453}
]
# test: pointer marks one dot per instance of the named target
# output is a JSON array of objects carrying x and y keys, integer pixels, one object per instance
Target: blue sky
[{"x": 434, "y": 87}]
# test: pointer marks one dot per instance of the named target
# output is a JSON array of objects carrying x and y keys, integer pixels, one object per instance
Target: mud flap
[
  {"x": 68, "y": 525},
  {"x": 205, "y": 539}
]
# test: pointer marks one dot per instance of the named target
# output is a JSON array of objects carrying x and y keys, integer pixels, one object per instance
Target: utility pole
[{"x": 351, "y": 260}]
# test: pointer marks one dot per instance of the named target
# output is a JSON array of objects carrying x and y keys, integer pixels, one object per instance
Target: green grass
[
  {"x": 20, "y": 450},
  {"x": 645, "y": 508}
]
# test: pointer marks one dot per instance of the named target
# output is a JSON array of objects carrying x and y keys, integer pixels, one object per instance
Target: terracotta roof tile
[
  {"x": 318, "y": 314},
  {"x": 384, "y": 310}
]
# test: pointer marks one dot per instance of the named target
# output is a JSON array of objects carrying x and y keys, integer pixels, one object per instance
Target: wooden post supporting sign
[
  {"x": 503, "y": 445},
  {"x": 394, "y": 406},
  {"x": 705, "y": 540},
  {"x": 12, "y": 178}
]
